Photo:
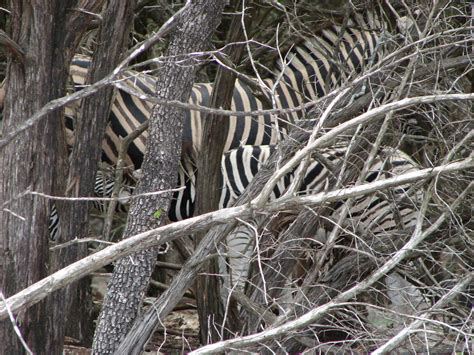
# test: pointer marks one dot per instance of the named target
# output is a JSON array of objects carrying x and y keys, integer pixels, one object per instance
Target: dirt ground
[{"x": 178, "y": 334}]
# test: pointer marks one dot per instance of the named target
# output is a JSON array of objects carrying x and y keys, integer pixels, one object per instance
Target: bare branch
[
  {"x": 209, "y": 110},
  {"x": 365, "y": 118},
  {"x": 12, "y": 46},
  {"x": 155, "y": 237},
  {"x": 15, "y": 326},
  {"x": 108, "y": 80},
  {"x": 316, "y": 313},
  {"x": 100, "y": 199},
  {"x": 423, "y": 318}
]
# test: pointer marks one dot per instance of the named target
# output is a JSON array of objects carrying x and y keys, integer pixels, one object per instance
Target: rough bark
[
  {"x": 89, "y": 131},
  {"x": 196, "y": 23},
  {"x": 48, "y": 34},
  {"x": 209, "y": 183}
]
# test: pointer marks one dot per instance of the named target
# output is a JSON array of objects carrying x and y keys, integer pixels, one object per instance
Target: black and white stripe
[
  {"x": 104, "y": 186},
  {"x": 313, "y": 70},
  {"x": 378, "y": 214},
  {"x": 329, "y": 59}
]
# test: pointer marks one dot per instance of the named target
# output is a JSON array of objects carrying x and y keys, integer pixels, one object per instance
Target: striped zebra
[
  {"x": 312, "y": 70},
  {"x": 129, "y": 112},
  {"x": 371, "y": 213},
  {"x": 308, "y": 74}
]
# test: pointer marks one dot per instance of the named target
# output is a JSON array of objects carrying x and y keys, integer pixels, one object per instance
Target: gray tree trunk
[
  {"x": 48, "y": 34},
  {"x": 195, "y": 25}
]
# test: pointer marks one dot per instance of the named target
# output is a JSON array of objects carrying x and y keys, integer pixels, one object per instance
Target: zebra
[
  {"x": 103, "y": 187},
  {"x": 128, "y": 112},
  {"x": 372, "y": 213}
]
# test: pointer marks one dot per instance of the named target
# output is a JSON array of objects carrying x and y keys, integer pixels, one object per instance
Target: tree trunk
[
  {"x": 195, "y": 25},
  {"x": 47, "y": 34},
  {"x": 209, "y": 183},
  {"x": 89, "y": 132}
]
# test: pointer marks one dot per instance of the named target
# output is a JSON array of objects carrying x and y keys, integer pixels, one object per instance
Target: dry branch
[
  {"x": 364, "y": 118},
  {"x": 316, "y": 313},
  {"x": 12, "y": 46},
  {"x": 423, "y": 318},
  {"x": 155, "y": 237}
]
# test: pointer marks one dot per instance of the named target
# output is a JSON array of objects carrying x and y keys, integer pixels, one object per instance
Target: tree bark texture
[
  {"x": 129, "y": 281},
  {"x": 89, "y": 130},
  {"x": 48, "y": 34},
  {"x": 209, "y": 183}
]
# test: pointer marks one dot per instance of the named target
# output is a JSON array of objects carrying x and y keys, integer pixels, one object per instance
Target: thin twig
[
  {"x": 80, "y": 241},
  {"x": 423, "y": 318},
  {"x": 15, "y": 326},
  {"x": 316, "y": 313},
  {"x": 12, "y": 46},
  {"x": 105, "y": 199}
]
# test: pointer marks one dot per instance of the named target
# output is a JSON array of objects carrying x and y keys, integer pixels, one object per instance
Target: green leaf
[{"x": 158, "y": 213}]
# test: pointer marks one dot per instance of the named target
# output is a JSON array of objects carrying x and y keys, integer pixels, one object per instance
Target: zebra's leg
[
  {"x": 235, "y": 268},
  {"x": 104, "y": 185},
  {"x": 54, "y": 226}
]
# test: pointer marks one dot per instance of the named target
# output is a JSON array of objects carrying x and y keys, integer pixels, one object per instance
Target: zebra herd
[{"x": 312, "y": 70}]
